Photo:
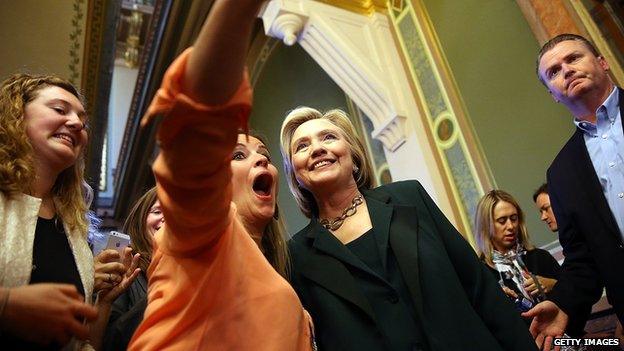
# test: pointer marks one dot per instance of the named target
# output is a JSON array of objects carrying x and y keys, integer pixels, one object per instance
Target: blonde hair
[
  {"x": 135, "y": 226},
  {"x": 72, "y": 194},
  {"x": 484, "y": 224},
  {"x": 363, "y": 175}
]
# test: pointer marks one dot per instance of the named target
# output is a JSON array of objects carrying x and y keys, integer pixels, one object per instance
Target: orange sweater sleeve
[{"x": 193, "y": 168}]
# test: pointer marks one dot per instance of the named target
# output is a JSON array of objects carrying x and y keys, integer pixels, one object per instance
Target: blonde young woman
[
  {"x": 46, "y": 266},
  {"x": 210, "y": 286},
  {"x": 383, "y": 269},
  {"x": 526, "y": 273}
]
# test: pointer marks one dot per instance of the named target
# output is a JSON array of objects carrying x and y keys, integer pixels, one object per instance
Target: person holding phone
[
  {"x": 46, "y": 266},
  {"x": 210, "y": 285},
  {"x": 144, "y": 219},
  {"x": 527, "y": 274}
]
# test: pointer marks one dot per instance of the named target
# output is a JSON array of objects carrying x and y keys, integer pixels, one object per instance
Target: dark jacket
[
  {"x": 126, "y": 315},
  {"x": 589, "y": 235},
  {"x": 458, "y": 304}
]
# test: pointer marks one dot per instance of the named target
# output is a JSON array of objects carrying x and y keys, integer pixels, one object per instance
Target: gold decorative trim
[
  {"x": 75, "y": 41},
  {"x": 596, "y": 36},
  {"x": 365, "y": 7}
]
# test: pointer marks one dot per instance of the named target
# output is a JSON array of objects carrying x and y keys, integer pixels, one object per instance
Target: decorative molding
[
  {"x": 364, "y": 7},
  {"x": 75, "y": 41},
  {"x": 392, "y": 134},
  {"x": 365, "y": 65}
]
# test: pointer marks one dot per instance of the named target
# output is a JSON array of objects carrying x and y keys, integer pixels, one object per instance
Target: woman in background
[
  {"x": 526, "y": 273},
  {"x": 144, "y": 219},
  {"x": 503, "y": 244}
]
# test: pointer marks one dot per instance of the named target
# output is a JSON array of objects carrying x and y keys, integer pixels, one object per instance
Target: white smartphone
[{"x": 118, "y": 241}]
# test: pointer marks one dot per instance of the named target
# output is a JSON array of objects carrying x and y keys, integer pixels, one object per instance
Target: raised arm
[
  {"x": 204, "y": 100},
  {"x": 215, "y": 68}
]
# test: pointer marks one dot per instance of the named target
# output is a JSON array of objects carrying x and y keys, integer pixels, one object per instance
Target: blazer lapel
[
  {"x": 325, "y": 264},
  {"x": 380, "y": 212},
  {"x": 398, "y": 226},
  {"x": 589, "y": 178},
  {"x": 404, "y": 244}
]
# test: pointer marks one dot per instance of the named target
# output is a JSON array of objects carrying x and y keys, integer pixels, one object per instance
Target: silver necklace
[{"x": 336, "y": 223}]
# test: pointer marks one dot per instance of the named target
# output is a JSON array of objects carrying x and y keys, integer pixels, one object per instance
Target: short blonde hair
[
  {"x": 364, "y": 175},
  {"x": 72, "y": 194},
  {"x": 484, "y": 224}
]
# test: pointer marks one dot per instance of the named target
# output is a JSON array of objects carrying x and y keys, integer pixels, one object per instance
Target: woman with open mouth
[{"x": 216, "y": 278}]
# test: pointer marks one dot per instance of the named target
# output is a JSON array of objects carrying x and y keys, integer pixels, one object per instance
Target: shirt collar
[{"x": 611, "y": 105}]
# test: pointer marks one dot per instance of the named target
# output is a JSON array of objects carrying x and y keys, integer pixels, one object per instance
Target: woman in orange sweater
[{"x": 210, "y": 286}]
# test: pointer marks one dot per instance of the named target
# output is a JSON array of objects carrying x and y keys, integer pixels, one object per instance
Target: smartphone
[{"x": 118, "y": 241}]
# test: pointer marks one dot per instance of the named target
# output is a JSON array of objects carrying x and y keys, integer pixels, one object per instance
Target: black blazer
[
  {"x": 589, "y": 235},
  {"x": 458, "y": 303}
]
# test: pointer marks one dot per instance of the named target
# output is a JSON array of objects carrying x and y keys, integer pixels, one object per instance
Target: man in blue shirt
[{"x": 586, "y": 185}]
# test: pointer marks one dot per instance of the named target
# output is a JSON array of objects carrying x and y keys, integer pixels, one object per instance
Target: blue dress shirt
[{"x": 605, "y": 145}]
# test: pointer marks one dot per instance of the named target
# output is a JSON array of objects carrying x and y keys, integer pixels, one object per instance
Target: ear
[{"x": 603, "y": 63}]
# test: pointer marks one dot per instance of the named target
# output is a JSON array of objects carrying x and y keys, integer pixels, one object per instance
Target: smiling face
[
  {"x": 54, "y": 122},
  {"x": 506, "y": 223},
  {"x": 155, "y": 218},
  {"x": 254, "y": 180},
  {"x": 321, "y": 156},
  {"x": 572, "y": 73}
]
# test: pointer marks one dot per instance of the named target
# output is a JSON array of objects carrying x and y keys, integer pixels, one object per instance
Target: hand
[
  {"x": 531, "y": 286},
  {"x": 47, "y": 313},
  {"x": 108, "y": 270},
  {"x": 115, "y": 277},
  {"x": 549, "y": 321},
  {"x": 509, "y": 292}
]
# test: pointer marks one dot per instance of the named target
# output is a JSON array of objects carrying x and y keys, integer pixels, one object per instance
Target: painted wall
[
  {"x": 290, "y": 78},
  {"x": 491, "y": 52},
  {"x": 35, "y": 37}
]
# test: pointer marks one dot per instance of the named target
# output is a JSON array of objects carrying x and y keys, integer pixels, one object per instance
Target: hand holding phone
[{"x": 118, "y": 241}]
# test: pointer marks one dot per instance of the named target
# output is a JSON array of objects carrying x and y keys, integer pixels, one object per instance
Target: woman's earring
[{"x": 355, "y": 168}]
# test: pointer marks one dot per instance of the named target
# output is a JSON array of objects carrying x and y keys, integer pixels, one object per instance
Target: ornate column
[{"x": 359, "y": 51}]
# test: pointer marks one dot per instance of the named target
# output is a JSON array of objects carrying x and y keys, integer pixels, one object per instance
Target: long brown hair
[
  {"x": 136, "y": 227},
  {"x": 17, "y": 169},
  {"x": 273, "y": 243}
]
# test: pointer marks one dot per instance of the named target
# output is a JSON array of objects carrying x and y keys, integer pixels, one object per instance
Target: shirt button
[
  {"x": 621, "y": 195},
  {"x": 611, "y": 164}
]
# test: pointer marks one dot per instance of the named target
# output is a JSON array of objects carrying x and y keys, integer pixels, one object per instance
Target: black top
[
  {"x": 365, "y": 248},
  {"x": 53, "y": 262},
  {"x": 126, "y": 315},
  {"x": 387, "y": 293},
  {"x": 459, "y": 305}
]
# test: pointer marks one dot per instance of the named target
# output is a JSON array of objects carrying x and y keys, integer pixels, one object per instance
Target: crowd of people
[{"x": 209, "y": 267}]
